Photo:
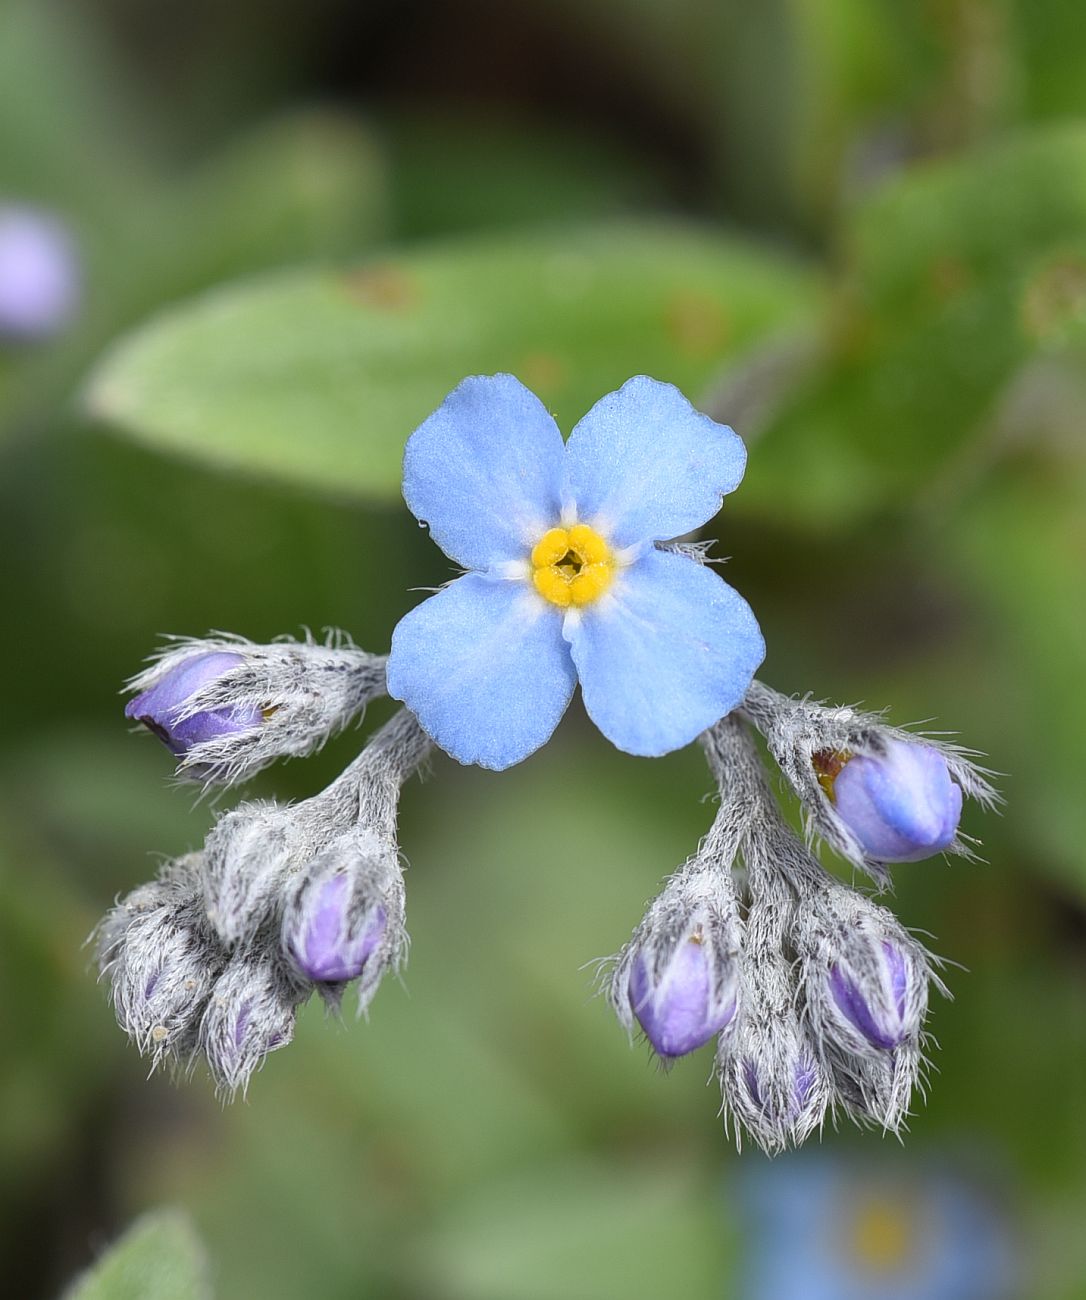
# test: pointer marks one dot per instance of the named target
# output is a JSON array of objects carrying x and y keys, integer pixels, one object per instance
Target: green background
[{"x": 855, "y": 230}]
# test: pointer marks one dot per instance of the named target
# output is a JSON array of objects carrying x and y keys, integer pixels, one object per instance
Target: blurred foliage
[
  {"x": 158, "y": 1258},
  {"x": 854, "y": 229},
  {"x": 291, "y": 370}
]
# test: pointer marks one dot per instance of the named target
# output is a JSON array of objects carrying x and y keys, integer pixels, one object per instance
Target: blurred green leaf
[
  {"x": 958, "y": 275},
  {"x": 1021, "y": 547},
  {"x": 577, "y": 1230},
  {"x": 158, "y": 1258},
  {"x": 75, "y": 146},
  {"x": 310, "y": 184},
  {"x": 318, "y": 376},
  {"x": 453, "y": 172}
]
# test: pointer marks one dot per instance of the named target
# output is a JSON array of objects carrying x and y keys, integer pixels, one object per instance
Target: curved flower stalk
[
  {"x": 205, "y": 962},
  {"x": 829, "y": 960},
  {"x": 578, "y": 574}
]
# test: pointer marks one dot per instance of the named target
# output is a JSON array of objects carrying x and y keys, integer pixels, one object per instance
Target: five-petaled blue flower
[{"x": 566, "y": 582}]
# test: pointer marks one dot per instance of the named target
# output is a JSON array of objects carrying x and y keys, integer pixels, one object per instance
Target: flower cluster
[
  {"x": 816, "y": 996},
  {"x": 213, "y": 959}
]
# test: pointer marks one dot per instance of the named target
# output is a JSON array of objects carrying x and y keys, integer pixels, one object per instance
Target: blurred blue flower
[
  {"x": 825, "y": 1227},
  {"x": 565, "y": 580},
  {"x": 901, "y": 805},
  {"x": 39, "y": 274}
]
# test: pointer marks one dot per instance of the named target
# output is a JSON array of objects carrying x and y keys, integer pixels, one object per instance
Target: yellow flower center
[
  {"x": 881, "y": 1237},
  {"x": 572, "y": 566}
]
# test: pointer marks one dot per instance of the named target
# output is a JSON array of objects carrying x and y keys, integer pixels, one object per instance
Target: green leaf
[
  {"x": 319, "y": 376},
  {"x": 73, "y": 147},
  {"x": 158, "y": 1258},
  {"x": 958, "y": 275},
  {"x": 1021, "y": 548},
  {"x": 310, "y": 184}
]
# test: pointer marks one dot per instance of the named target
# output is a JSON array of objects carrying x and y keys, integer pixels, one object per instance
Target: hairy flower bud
[
  {"x": 227, "y": 707},
  {"x": 865, "y": 982},
  {"x": 772, "y": 1082},
  {"x": 874, "y": 793},
  {"x": 246, "y": 860},
  {"x": 161, "y": 708},
  {"x": 866, "y": 979},
  {"x": 343, "y": 917},
  {"x": 39, "y": 274},
  {"x": 161, "y": 959},
  {"x": 682, "y": 1004},
  {"x": 678, "y": 975},
  {"x": 877, "y": 1003},
  {"x": 901, "y": 804},
  {"x": 250, "y": 1012}
]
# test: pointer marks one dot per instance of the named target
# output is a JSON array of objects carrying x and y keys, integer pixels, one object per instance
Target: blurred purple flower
[{"x": 39, "y": 274}]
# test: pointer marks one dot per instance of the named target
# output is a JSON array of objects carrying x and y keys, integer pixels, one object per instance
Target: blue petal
[
  {"x": 484, "y": 668},
  {"x": 643, "y": 465},
  {"x": 666, "y": 653},
  {"x": 485, "y": 471}
]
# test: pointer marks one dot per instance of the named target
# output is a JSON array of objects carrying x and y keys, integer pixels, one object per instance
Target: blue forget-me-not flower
[
  {"x": 819, "y": 1226},
  {"x": 566, "y": 582}
]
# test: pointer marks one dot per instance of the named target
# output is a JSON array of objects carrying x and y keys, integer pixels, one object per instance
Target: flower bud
[
  {"x": 900, "y": 804},
  {"x": 161, "y": 959},
  {"x": 682, "y": 1002},
  {"x": 865, "y": 983},
  {"x": 39, "y": 275},
  {"x": 247, "y": 858},
  {"x": 772, "y": 1083},
  {"x": 865, "y": 978},
  {"x": 344, "y": 915},
  {"x": 877, "y": 1001},
  {"x": 326, "y": 941},
  {"x": 677, "y": 977},
  {"x": 250, "y": 1013},
  {"x": 161, "y": 708}
]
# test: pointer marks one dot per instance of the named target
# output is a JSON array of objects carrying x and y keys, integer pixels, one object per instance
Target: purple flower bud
[
  {"x": 161, "y": 706},
  {"x": 39, "y": 274},
  {"x": 880, "y": 1002},
  {"x": 771, "y": 1082},
  {"x": 901, "y": 805},
  {"x": 328, "y": 938},
  {"x": 783, "y": 1104},
  {"x": 161, "y": 960},
  {"x": 681, "y": 1006},
  {"x": 250, "y": 1013}
]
